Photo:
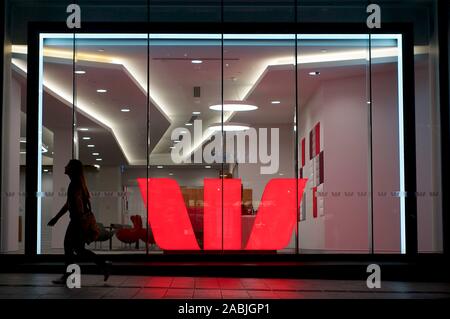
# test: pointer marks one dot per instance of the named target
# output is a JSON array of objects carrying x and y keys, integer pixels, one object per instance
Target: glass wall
[
  {"x": 261, "y": 140},
  {"x": 334, "y": 143},
  {"x": 209, "y": 161}
]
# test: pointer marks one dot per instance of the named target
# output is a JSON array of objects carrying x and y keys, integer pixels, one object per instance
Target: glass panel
[
  {"x": 334, "y": 143},
  {"x": 259, "y": 111},
  {"x": 422, "y": 14},
  {"x": 387, "y": 144},
  {"x": 111, "y": 124},
  {"x": 56, "y": 140},
  {"x": 185, "y": 79},
  {"x": 14, "y": 154}
]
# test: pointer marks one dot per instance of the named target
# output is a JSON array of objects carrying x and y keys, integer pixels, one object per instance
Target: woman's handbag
[{"x": 89, "y": 225}]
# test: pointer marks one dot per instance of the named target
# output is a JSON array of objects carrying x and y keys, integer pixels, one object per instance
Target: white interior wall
[
  {"x": 107, "y": 203},
  {"x": 386, "y": 161},
  {"x": 311, "y": 231},
  {"x": 340, "y": 106}
]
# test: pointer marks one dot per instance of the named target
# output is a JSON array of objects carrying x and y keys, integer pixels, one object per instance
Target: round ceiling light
[
  {"x": 229, "y": 127},
  {"x": 234, "y": 107}
]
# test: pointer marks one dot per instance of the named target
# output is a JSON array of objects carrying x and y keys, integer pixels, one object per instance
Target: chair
[
  {"x": 129, "y": 235},
  {"x": 134, "y": 234},
  {"x": 104, "y": 234}
]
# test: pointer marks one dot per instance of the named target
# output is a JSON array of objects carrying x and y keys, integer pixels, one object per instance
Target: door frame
[{"x": 406, "y": 30}]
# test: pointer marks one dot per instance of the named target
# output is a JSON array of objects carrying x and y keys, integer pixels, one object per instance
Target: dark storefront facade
[{"x": 285, "y": 128}]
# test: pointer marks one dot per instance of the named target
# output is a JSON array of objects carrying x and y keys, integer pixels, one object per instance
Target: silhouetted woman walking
[{"x": 77, "y": 204}]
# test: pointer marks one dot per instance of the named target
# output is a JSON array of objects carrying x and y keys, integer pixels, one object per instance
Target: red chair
[{"x": 131, "y": 235}]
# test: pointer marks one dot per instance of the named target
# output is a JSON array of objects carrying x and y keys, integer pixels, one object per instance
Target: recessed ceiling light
[
  {"x": 84, "y": 129},
  {"x": 233, "y": 107},
  {"x": 275, "y": 102},
  {"x": 80, "y": 72},
  {"x": 196, "y": 113},
  {"x": 46, "y": 170},
  {"x": 188, "y": 124},
  {"x": 97, "y": 166},
  {"x": 314, "y": 73},
  {"x": 91, "y": 145},
  {"x": 102, "y": 91},
  {"x": 86, "y": 138},
  {"x": 124, "y": 110},
  {"x": 159, "y": 166},
  {"x": 207, "y": 166},
  {"x": 99, "y": 159},
  {"x": 196, "y": 61},
  {"x": 176, "y": 141},
  {"x": 95, "y": 154},
  {"x": 171, "y": 174}
]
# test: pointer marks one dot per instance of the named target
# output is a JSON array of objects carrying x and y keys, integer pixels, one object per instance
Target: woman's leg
[
  {"x": 70, "y": 243},
  {"x": 87, "y": 254},
  {"x": 69, "y": 256},
  {"x": 90, "y": 255}
]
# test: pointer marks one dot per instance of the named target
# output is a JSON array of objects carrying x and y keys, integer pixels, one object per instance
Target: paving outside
[{"x": 39, "y": 286}]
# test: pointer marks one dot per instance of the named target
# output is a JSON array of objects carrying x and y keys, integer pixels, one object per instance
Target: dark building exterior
[{"x": 229, "y": 128}]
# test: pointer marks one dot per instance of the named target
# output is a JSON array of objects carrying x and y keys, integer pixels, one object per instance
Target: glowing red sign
[{"x": 172, "y": 228}]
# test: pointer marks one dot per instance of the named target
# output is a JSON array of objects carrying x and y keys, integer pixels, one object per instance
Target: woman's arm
[{"x": 61, "y": 213}]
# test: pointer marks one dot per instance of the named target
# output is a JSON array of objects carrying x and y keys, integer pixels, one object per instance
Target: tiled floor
[{"x": 36, "y": 286}]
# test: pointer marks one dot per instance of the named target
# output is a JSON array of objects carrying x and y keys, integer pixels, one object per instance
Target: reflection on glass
[
  {"x": 259, "y": 74},
  {"x": 185, "y": 79},
  {"x": 221, "y": 150},
  {"x": 334, "y": 143}
]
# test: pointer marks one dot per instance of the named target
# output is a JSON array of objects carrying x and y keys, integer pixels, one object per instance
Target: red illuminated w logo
[{"x": 172, "y": 228}]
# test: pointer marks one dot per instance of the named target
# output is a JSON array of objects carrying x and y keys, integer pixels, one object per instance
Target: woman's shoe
[{"x": 107, "y": 270}]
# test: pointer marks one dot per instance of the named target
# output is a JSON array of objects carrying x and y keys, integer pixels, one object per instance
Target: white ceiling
[{"x": 252, "y": 72}]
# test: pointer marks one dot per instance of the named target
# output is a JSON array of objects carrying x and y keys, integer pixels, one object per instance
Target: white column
[{"x": 11, "y": 170}]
